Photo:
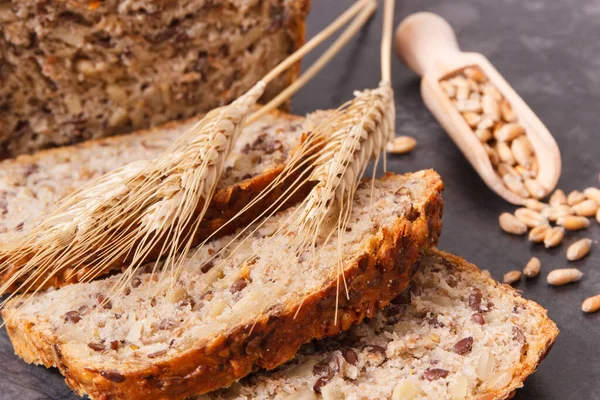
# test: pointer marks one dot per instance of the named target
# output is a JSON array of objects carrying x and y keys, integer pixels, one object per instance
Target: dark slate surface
[{"x": 550, "y": 52}]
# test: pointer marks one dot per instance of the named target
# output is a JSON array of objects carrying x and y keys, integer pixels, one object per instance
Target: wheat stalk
[
  {"x": 146, "y": 207},
  {"x": 143, "y": 211}
]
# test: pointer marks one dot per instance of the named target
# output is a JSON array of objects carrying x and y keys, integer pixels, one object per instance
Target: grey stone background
[{"x": 549, "y": 50}]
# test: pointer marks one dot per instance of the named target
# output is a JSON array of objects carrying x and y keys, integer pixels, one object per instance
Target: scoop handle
[{"x": 423, "y": 40}]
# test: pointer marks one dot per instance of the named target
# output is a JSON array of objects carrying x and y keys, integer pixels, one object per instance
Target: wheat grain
[
  {"x": 579, "y": 249},
  {"x": 586, "y": 208},
  {"x": 554, "y": 236},
  {"x": 535, "y": 205},
  {"x": 575, "y": 197},
  {"x": 512, "y": 277},
  {"x": 530, "y": 218},
  {"x": 510, "y": 224},
  {"x": 557, "y": 198},
  {"x": 592, "y": 193},
  {"x": 563, "y": 276},
  {"x": 538, "y": 234},
  {"x": 532, "y": 269},
  {"x": 591, "y": 304},
  {"x": 401, "y": 145},
  {"x": 573, "y": 223}
]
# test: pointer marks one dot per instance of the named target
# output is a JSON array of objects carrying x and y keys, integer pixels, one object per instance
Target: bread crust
[
  {"x": 536, "y": 352},
  {"x": 374, "y": 278}
]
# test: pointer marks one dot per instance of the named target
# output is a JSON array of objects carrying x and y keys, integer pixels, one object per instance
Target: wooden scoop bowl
[{"x": 426, "y": 43}]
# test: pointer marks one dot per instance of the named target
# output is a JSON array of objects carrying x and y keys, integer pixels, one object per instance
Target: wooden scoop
[{"x": 426, "y": 43}]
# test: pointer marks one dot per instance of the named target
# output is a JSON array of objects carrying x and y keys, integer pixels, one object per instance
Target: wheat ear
[{"x": 146, "y": 210}]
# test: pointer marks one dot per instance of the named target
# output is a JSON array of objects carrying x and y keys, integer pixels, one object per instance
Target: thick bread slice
[
  {"x": 229, "y": 317},
  {"x": 31, "y": 185},
  {"x": 77, "y": 70},
  {"x": 457, "y": 334}
]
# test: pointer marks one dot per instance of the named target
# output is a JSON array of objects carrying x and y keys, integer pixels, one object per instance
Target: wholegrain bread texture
[
  {"x": 75, "y": 70},
  {"x": 230, "y": 316},
  {"x": 31, "y": 185},
  {"x": 456, "y": 334}
]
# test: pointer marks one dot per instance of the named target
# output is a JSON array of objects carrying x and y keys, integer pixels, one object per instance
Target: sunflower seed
[
  {"x": 554, "y": 236},
  {"x": 579, "y": 249},
  {"x": 532, "y": 269},
  {"x": 510, "y": 224},
  {"x": 563, "y": 276}
]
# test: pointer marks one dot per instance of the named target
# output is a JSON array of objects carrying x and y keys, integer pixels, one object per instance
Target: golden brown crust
[
  {"x": 374, "y": 278},
  {"x": 536, "y": 352}
]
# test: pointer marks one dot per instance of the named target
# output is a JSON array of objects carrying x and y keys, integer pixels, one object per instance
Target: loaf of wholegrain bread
[
  {"x": 456, "y": 334},
  {"x": 75, "y": 70},
  {"x": 228, "y": 316},
  {"x": 31, "y": 185}
]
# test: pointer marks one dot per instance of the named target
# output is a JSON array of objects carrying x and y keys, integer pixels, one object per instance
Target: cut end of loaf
[
  {"x": 102, "y": 68},
  {"x": 456, "y": 334},
  {"x": 217, "y": 325}
]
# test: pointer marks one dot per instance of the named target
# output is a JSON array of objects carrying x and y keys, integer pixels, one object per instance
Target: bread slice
[
  {"x": 457, "y": 334},
  {"x": 31, "y": 185},
  {"x": 76, "y": 70},
  {"x": 230, "y": 316}
]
